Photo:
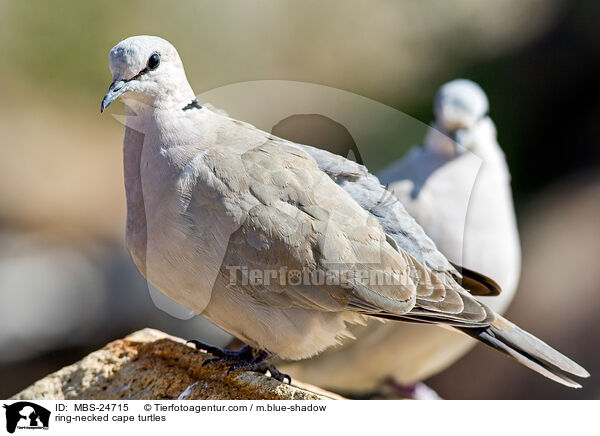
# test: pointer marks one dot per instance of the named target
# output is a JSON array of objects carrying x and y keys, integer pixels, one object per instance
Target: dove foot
[
  {"x": 244, "y": 359},
  {"x": 223, "y": 354},
  {"x": 417, "y": 391}
]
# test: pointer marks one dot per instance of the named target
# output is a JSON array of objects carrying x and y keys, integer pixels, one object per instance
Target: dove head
[
  {"x": 459, "y": 104},
  {"x": 147, "y": 73}
]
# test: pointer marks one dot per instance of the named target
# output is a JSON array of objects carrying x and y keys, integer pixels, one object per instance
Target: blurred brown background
[{"x": 67, "y": 284}]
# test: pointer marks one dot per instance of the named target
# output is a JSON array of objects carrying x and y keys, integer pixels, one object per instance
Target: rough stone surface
[{"x": 150, "y": 364}]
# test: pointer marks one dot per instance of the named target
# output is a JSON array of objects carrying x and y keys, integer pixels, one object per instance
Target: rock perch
[{"x": 150, "y": 364}]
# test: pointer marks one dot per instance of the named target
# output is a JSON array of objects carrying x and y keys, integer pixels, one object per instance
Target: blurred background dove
[
  {"x": 457, "y": 186},
  {"x": 67, "y": 284}
]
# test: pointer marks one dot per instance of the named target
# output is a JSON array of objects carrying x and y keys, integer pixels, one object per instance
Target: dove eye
[{"x": 153, "y": 61}]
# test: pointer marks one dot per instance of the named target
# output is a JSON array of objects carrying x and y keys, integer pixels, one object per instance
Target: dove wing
[{"x": 293, "y": 215}]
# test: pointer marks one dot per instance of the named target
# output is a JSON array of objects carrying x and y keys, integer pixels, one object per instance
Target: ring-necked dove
[
  {"x": 457, "y": 187},
  {"x": 208, "y": 195}
]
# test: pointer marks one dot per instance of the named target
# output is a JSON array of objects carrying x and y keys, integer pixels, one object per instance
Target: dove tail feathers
[
  {"x": 476, "y": 283},
  {"x": 528, "y": 350}
]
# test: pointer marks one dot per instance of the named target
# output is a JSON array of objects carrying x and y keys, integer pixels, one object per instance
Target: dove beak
[
  {"x": 458, "y": 141},
  {"x": 115, "y": 90}
]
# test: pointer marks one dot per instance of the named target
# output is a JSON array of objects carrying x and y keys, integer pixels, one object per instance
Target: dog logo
[{"x": 26, "y": 415}]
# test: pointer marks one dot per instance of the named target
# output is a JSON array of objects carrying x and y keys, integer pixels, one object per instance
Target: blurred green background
[{"x": 67, "y": 284}]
